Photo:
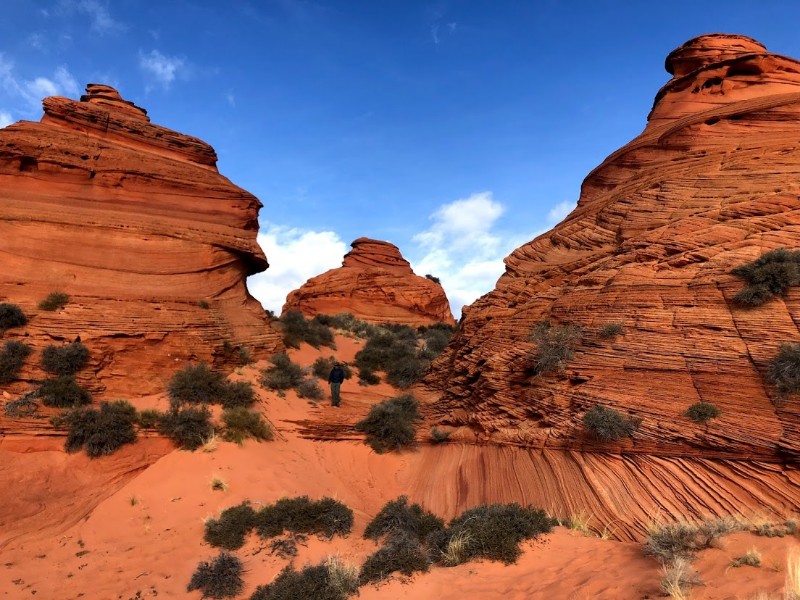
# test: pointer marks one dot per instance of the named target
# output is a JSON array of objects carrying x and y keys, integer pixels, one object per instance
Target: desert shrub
[
  {"x": 433, "y": 278},
  {"x": 610, "y": 330},
  {"x": 677, "y": 577},
  {"x": 309, "y": 389},
  {"x": 283, "y": 374},
  {"x": 701, "y": 412},
  {"x": 769, "y": 275},
  {"x": 390, "y": 425},
  {"x": 310, "y": 582},
  {"x": 682, "y": 540},
  {"x": 241, "y": 424},
  {"x": 492, "y": 531},
  {"x": 398, "y": 517},
  {"x": 555, "y": 346},
  {"x": 347, "y": 322},
  {"x": 405, "y": 374},
  {"x": 236, "y": 355},
  {"x": 220, "y": 578},
  {"x": 439, "y": 436},
  {"x": 12, "y": 357},
  {"x": 101, "y": 431},
  {"x": 751, "y": 558},
  {"x": 203, "y": 304},
  {"x": 24, "y": 406},
  {"x": 784, "y": 370},
  {"x": 401, "y": 553},
  {"x": 608, "y": 425},
  {"x": 196, "y": 383},
  {"x": 236, "y": 394},
  {"x": 149, "y": 418},
  {"x": 64, "y": 360},
  {"x": 54, "y": 301},
  {"x": 297, "y": 329},
  {"x": 326, "y": 517},
  {"x": 233, "y": 525},
  {"x": 393, "y": 349},
  {"x": 188, "y": 426},
  {"x": 63, "y": 392},
  {"x": 11, "y": 315},
  {"x": 322, "y": 368},
  {"x": 368, "y": 377},
  {"x": 436, "y": 339}
]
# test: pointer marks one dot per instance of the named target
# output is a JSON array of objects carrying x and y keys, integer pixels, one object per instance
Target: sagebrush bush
[
  {"x": 11, "y": 316},
  {"x": 436, "y": 338},
  {"x": 322, "y": 368},
  {"x": 401, "y": 553},
  {"x": 701, "y": 412},
  {"x": 297, "y": 329},
  {"x": 149, "y": 418},
  {"x": 398, "y": 517},
  {"x": 783, "y": 371},
  {"x": 608, "y": 425},
  {"x": 555, "y": 346},
  {"x": 54, "y": 301},
  {"x": 67, "y": 359},
  {"x": 236, "y": 394},
  {"x": 219, "y": 578},
  {"x": 311, "y": 582},
  {"x": 12, "y": 357},
  {"x": 347, "y": 322},
  {"x": 492, "y": 531},
  {"x": 390, "y": 425},
  {"x": 283, "y": 374},
  {"x": 668, "y": 542},
  {"x": 63, "y": 392},
  {"x": 231, "y": 529},
  {"x": 241, "y": 424},
  {"x": 326, "y": 517},
  {"x": 236, "y": 355},
  {"x": 610, "y": 330},
  {"x": 433, "y": 278},
  {"x": 367, "y": 377},
  {"x": 196, "y": 383},
  {"x": 309, "y": 389},
  {"x": 100, "y": 431},
  {"x": 769, "y": 275},
  {"x": 188, "y": 426},
  {"x": 393, "y": 350}
]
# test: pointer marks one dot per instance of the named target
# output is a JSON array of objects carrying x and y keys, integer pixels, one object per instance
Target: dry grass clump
[
  {"x": 751, "y": 558},
  {"x": 677, "y": 577},
  {"x": 683, "y": 539},
  {"x": 555, "y": 346},
  {"x": 792, "y": 588}
]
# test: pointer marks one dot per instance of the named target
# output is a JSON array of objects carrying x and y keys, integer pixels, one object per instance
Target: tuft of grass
[
  {"x": 219, "y": 578},
  {"x": 11, "y": 316},
  {"x": 390, "y": 425},
  {"x": 751, "y": 558},
  {"x": 610, "y": 330},
  {"x": 457, "y": 550},
  {"x": 54, "y": 301},
  {"x": 783, "y": 371},
  {"x": 283, "y": 374},
  {"x": 769, "y": 275},
  {"x": 608, "y": 425},
  {"x": 63, "y": 392},
  {"x": 218, "y": 484},
  {"x": 555, "y": 346},
  {"x": 64, "y": 360},
  {"x": 792, "y": 586},
  {"x": 189, "y": 426},
  {"x": 702, "y": 412},
  {"x": 12, "y": 357},
  {"x": 233, "y": 525},
  {"x": 100, "y": 432},
  {"x": 342, "y": 575},
  {"x": 677, "y": 577},
  {"x": 241, "y": 424}
]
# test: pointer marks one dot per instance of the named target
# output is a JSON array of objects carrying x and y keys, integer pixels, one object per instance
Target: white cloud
[
  {"x": 5, "y": 119},
  {"x": 465, "y": 248},
  {"x": 97, "y": 10},
  {"x": 295, "y": 255},
  {"x": 30, "y": 92},
  {"x": 160, "y": 68}
]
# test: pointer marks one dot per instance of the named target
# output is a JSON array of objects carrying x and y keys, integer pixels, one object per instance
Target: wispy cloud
[
  {"x": 5, "y": 119},
  {"x": 160, "y": 68},
  {"x": 98, "y": 12},
  {"x": 30, "y": 92},
  {"x": 295, "y": 255}
]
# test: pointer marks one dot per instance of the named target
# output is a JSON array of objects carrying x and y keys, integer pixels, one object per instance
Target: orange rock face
[
  {"x": 711, "y": 183},
  {"x": 376, "y": 284},
  {"x": 136, "y": 224}
]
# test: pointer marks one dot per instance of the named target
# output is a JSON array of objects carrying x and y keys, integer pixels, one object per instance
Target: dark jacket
[{"x": 336, "y": 376}]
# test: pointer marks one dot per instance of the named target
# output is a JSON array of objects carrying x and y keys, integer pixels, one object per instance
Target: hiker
[{"x": 336, "y": 378}]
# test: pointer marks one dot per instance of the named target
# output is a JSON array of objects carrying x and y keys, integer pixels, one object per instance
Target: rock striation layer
[
  {"x": 137, "y": 225},
  {"x": 712, "y": 182},
  {"x": 376, "y": 284}
]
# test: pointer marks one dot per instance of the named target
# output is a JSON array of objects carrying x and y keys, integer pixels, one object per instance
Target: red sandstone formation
[
  {"x": 136, "y": 224},
  {"x": 711, "y": 183},
  {"x": 376, "y": 284}
]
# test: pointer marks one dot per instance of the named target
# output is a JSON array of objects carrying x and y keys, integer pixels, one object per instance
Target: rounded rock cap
[{"x": 708, "y": 49}]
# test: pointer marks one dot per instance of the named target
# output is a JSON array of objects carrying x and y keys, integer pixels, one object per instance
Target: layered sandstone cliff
[
  {"x": 137, "y": 225},
  {"x": 376, "y": 284},
  {"x": 712, "y": 183}
]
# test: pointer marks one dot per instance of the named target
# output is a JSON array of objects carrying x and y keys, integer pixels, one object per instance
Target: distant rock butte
[
  {"x": 376, "y": 284},
  {"x": 136, "y": 224},
  {"x": 711, "y": 183}
]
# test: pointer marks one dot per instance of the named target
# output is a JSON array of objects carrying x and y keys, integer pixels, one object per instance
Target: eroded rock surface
[
  {"x": 711, "y": 183},
  {"x": 137, "y": 225},
  {"x": 376, "y": 284}
]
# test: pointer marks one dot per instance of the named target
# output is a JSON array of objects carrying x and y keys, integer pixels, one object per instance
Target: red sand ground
[{"x": 130, "y": 526}]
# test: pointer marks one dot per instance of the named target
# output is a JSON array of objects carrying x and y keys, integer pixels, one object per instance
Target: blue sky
[{"x": 456, "y": 130}]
